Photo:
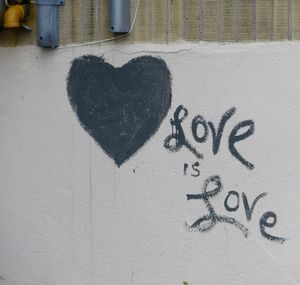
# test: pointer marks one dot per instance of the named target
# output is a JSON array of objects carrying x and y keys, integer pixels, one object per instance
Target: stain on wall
[{"x": 121, "y": 108}]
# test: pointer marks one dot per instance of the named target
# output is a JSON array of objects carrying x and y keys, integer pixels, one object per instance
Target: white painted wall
[{"x": 68, "y": 215}]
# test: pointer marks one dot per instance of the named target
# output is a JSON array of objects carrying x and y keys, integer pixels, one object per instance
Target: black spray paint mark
[
  {"x": 121, "y": 108},
  {"x": 193, "y": 170},
  {"x": 230, "y": 208},
  {"x": 212, "y": 218},
  {"x": 234, "y": 138},
  {"x": 199, "y": 120},
  {"x": 177, "y": 139},
  {"x": 248, "y": 210},
  {"x": 263, "y": 223},
  {"x": 217, "y": 136}
]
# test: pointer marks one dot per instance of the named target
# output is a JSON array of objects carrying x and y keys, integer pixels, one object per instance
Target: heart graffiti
[{"x": 121, "y": 108}]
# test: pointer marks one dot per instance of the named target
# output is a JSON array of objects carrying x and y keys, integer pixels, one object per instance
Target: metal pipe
[
  {"x": 48, "y": 22},
  {"x": 119, "y": 16}
]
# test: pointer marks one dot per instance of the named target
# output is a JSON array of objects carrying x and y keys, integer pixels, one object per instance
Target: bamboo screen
[{"x": 164, "y": 21}]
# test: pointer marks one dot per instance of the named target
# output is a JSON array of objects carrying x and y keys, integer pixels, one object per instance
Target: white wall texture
[{"x": 69, "y": 215}]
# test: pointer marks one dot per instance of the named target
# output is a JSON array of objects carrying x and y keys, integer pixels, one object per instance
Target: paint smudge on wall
[{"x": 121, "y": 108}]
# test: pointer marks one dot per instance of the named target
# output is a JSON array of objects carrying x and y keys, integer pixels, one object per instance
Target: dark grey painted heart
[{"x": 121, "y": 108}]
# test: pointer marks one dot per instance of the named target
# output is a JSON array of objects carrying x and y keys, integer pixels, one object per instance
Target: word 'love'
[
  {"x": 177, "y": 139},
  {"x": 210, "y": 220}
]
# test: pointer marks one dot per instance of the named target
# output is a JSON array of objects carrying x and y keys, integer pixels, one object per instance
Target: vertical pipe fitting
[
  {"x": 48, "y": 22},
  {"x": 119, "y": 16}
]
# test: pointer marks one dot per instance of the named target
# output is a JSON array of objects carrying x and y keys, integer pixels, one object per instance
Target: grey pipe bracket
[{"x": 48, "y": 22}]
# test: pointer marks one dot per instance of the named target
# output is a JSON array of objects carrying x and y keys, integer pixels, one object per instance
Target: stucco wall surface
[{"x": 69, "y": 215}]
